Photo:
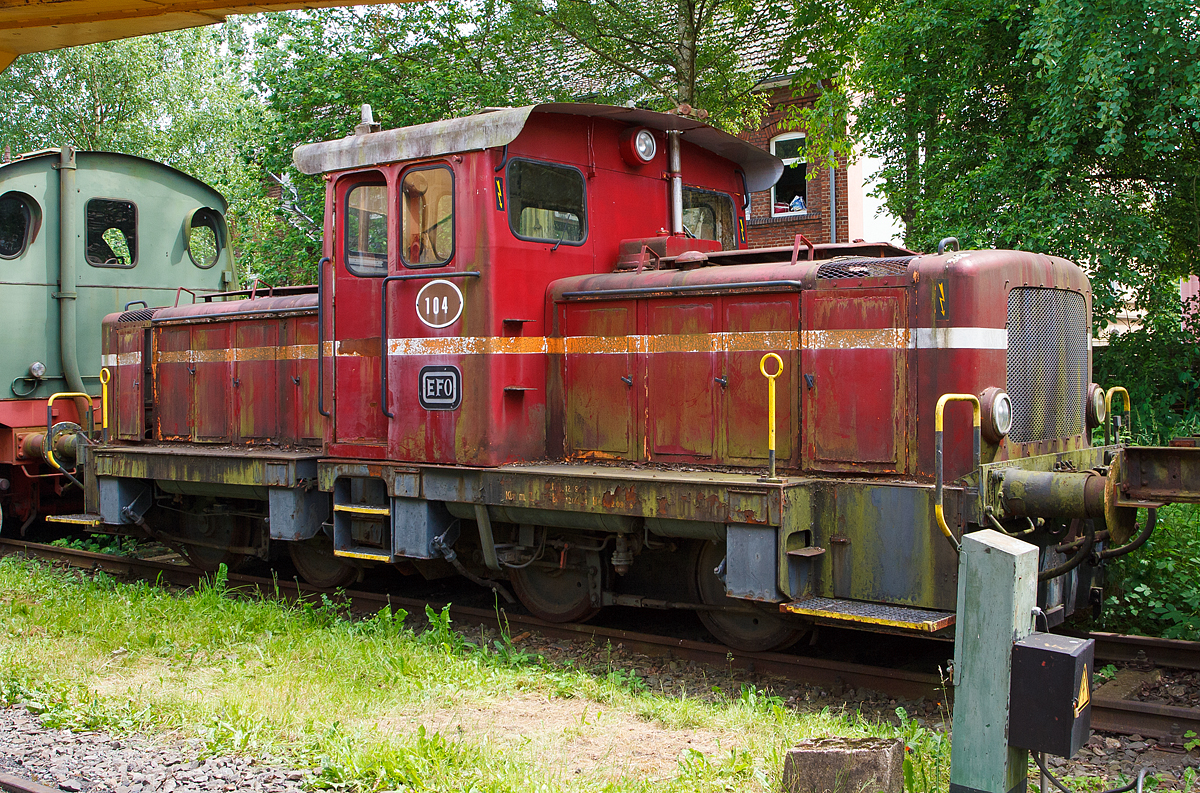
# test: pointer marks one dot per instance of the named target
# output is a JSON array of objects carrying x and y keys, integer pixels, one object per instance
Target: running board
[
  {"x": 860, "y": 614},
  {"x": 78, "y": 519}
]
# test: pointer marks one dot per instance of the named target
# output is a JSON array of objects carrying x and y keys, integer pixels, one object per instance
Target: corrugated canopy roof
[
  {"x": 501, "y": 127},
  {"x": 40, "y": 25}
]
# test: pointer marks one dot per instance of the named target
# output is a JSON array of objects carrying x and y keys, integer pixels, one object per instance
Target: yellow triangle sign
[{"x": 1085, "y": 694}]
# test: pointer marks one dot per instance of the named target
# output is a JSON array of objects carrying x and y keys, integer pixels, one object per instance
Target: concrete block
[{"x": 845, "y": 765}]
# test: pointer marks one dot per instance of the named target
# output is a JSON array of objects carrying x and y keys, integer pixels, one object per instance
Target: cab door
[{"x": 363, "y": 228}]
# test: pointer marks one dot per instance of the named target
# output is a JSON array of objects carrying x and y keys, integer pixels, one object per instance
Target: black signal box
[{"x": 1050, "y": 694}]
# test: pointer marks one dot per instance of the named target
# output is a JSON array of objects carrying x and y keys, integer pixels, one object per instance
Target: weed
[
  {"x": 112, "y": 544},
  {"x": 1106, "y": 673},
  {"x": 926, "y": 755}
]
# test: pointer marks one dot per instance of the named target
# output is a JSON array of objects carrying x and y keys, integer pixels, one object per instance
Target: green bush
[{"x": 1156, "y": 590}]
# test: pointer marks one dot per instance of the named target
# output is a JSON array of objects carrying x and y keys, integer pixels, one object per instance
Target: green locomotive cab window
[
  {"x": 17, "y": 224},
  {"x": 366, "y": 232},
  {"x": 709, "y": 216},
  {"x": 547, "y": 203},
  {"x": 427, "y": 217},
  {"x": 205, "y": 234},
  {"x": 111, "y": 233}
]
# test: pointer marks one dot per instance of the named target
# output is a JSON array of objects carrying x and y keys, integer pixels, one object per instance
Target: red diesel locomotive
[{"x": 533, "y": 358}]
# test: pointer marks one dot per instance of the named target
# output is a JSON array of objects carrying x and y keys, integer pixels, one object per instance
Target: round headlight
[
  {"x": 997, "y": 414},
  {"x": 1002, "y": 413},
  {"x": 644, "y": 145},
  {"x": 637, "y": 146},
  {"x": 37, "y": 370},
  {"x": 1097, "y": 412}
]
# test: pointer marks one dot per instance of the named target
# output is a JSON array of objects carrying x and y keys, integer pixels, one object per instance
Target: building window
[
  {"x": 709, "y": 216},
  {"x": 366, "y": 232},
  {"x": 111, "y": 233},
  {"x": 547, "y": 203},
  {"x": 789, "y": 196},
  {"x": 427, "y": 219},
  {"x": 18, "y": 224}
]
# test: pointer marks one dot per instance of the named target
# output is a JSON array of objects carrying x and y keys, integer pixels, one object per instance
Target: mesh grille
[
  {"x": 863, "y": 268},
  {"x": 1047, "y": 363},
  {"x": 141, "y": 315}
]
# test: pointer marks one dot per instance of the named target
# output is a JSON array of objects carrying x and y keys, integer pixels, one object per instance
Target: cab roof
[{"x": 500, "y": 127}]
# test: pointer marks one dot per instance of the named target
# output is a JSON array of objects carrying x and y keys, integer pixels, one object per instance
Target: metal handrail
[
  {"x": 1108, "y": 416},
  {"x": 321, "y": 335},
  {"x": 939, "y": 420}
]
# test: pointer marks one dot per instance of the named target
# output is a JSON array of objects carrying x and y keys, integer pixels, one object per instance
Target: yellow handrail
[
  {"x": 1108, "y": 416},
  {"x": 47, "y": 446},
  {"x": 938, "y": 422},
  {"x": 105, "y": 376},
  {"x": 762, "y": 367}
]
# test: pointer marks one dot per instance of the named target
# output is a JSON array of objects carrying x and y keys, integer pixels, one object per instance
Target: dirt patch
[{"x": 575, "y": 735}]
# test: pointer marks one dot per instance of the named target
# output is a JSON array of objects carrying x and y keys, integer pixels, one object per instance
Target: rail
[{"x": 1131, "y": 717}]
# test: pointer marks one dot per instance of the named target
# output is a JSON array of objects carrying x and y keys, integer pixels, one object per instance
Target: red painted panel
[
  {"x": 744, "y": 402},
  {"x": 855, "y": 348},
  {"x": 173, "y": 386},
  {"x": 127, "y": 414},
  {"x": 211, "y": 413},
  {"x": 255, "y": 384},
  {"x": 680, "y": 385},
  {"x": 600, "y": 405},
  {"x": 300, "y": 422}
]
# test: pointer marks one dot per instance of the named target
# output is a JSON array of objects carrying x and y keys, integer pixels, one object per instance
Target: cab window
[
  {"x": 709, "y": 216},
  {"x": 427, "y": 216},
  {"x": 366, "y": 233},
  {"x": 16, "y": 225},
  {"x": 546, "y": 202},
  {"x": 111, "y": 233}
]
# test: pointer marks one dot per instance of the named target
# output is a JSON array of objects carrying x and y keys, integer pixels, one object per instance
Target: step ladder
[{"x": 362, "y": 520}]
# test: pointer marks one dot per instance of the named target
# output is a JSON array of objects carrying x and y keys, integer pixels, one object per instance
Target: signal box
[{"x": 1050, "y": 702}]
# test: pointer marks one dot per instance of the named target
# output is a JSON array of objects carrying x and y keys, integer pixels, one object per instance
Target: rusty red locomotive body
[{"x": 534, "y": 355}]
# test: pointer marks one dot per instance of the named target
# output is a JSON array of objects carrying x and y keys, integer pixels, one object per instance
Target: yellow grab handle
[
  {"x": 1108, "y": 409},
  {"x": 762, "y": 367},
  {"x": 938, "y": 423},
  {"x": 105, "y": 376}
]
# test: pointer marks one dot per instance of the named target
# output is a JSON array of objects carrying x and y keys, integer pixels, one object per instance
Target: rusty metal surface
[
  {"x": 501, "y": 127},
  {"x": 1167, "y": 473},
  {"x": 1130, "y": 717},
  {"x": 16, "y": 784},
  {"x": 253, "y": 468}
]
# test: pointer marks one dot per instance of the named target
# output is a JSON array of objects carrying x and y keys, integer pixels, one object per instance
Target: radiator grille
[{"x": 1047, "y": 363}]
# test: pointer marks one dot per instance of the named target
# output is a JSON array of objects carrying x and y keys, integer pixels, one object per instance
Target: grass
[{"x": 372, "y": 704}]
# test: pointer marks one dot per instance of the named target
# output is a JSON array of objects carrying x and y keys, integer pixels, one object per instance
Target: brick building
[{"x": 774, "y": 216}]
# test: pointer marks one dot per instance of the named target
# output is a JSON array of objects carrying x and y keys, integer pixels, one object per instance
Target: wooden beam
[{"x": 40, "y": 25}]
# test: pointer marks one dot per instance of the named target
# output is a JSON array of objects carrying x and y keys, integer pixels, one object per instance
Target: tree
[
  {"x": 708, "y": 54},
  {"x": 1046, "y": 125}
]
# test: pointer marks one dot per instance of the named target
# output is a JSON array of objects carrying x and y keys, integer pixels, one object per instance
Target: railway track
[{"x": 1168, "y": 723}]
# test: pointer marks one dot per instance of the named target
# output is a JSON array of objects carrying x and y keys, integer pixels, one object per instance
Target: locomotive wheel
[
  {"x": 221, "y": 530},
  {"x": 757, "y": 631},
  {"x": 553, "y": 594},
  {"x": 317, "y": 565}
]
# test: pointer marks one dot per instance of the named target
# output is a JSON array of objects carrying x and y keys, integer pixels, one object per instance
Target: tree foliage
[{"x": 1047, "y": 125}]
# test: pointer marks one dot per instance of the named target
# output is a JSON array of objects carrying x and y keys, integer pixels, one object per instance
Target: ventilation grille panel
[
  {"x": 863, "y": 267},
  {"x": 1047, "y": 363},
  {"x": 140, "y": 315}
]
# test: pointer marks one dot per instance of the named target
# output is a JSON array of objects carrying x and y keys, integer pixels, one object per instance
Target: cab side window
[
  {"x": 16, "y": 225},
  {"x": 427, "y": 217},
  {"x": 366, "y": 232},
  {"x": 111, "y": 233},
  {"x": 709, "y": 216},
  {"x": 547, "y": 203}
]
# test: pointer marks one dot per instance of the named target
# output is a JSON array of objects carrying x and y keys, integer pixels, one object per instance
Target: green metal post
[{"x": 997, "y": 591}]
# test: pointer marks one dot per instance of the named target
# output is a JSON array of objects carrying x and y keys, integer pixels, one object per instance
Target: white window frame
[{"x": 787, "y": 136}]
